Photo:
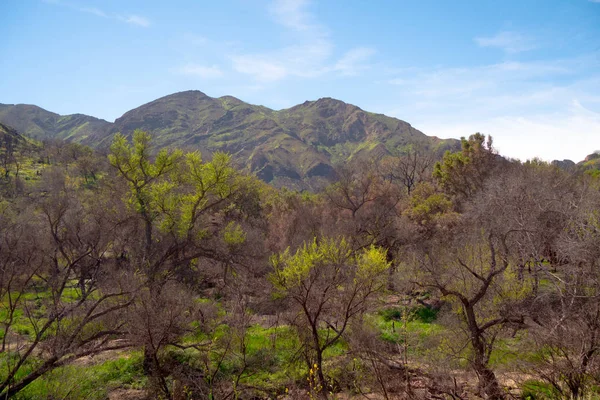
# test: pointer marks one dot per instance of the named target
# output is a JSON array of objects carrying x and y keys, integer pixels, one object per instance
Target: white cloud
[
  {"x": 309, "y": 57},
  {"x": 130, "y": 19},
  {"x": 95, "y": 11},
  {"x": 292, "y": 14},
  {"x": 549, "y": 109},
  {"x": 195, "y": 40},
  {"x": 200, "y": 71},
  {"x": 479, "y": 82},
  {"x": 510, "y": 42},
  {"x": 571, "y": 134},
  {"x": 259, "y": 67},
  {"x": 354, "y": 61},
  {"x": 135, "y": 20},
  {"x": 304, "y": 61}
]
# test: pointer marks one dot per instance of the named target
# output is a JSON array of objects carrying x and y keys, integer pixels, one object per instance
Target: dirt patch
[
  {"x": 103, "y": 356},
  {"x": 127, "y": 394}
]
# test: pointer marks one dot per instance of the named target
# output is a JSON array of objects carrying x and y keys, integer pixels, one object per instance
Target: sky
[{"x": 526, "y": 72}]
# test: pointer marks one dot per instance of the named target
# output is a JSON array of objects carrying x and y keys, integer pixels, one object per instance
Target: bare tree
[
  {"x": 473, "y": 273},
  {"x": 51, "y": 277},
  {"x": 409, "y": 169},
  {"x": 566, "y": 320}
]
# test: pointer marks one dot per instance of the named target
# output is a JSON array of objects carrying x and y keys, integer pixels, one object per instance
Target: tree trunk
[
  {"x": 488, "y": 383},
  {"x": 322, "y": 381}
]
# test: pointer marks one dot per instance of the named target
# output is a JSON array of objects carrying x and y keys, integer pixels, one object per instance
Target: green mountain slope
[
  {"x": 40, "y": 124},
  {"x": 295, "y": 147},
  {"x": 9, "y": 137}
]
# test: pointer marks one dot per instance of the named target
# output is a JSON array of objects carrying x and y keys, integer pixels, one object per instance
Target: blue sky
[{"x": 527, "y": 72}]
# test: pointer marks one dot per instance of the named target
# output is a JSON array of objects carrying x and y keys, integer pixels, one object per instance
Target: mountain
[
  {"x": 591, "y": 163},
  {"x": 566, "y": 165},
  {"x": 9, "y": 137},
  {"x": 16, "y": 158},
  {"x": 295, "y": 147},
  {"x": 40, "y": 124}
]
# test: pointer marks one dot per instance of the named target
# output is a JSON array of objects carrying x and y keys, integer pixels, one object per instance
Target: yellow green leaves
[
  {"x": 371, "y": 264},
  {"x": 133, "y": 161},
  {"x": 462, "y": 173},
  {"x": 234, "y": 234},
  {"x": 328, "y": 257},
  {"x": 428, "y": 205},
  {"x": 173, "y": 190}
]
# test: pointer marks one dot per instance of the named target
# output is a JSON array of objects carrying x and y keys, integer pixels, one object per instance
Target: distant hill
[
  {"x": 295, "y": 147},
  {"x": 18, "y": 158},
  {"x": 590, "y": 165},
  {"x": 40, "y": 124},
  {"x": 9, "y": 136}
]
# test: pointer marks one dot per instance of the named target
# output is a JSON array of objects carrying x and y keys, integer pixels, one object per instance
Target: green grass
[
  {"x": 419, "y": 313},
  {"x": 35, "y": 298},
  {"x": 416, "y": 331},
  {"x": 274, "y": 353},
  {"x": 87, "y": 382},
  {"x": 537, "y": 390},
  {"x": 506, "y": 352}
]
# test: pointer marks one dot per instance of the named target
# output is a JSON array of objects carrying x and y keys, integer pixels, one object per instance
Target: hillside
[
  {"x": 19, "y": 160},
  {"x": 41, "y": 124},
  {"x": 590, "y": 164},
  {"x": 8, "y": 136},
  {"x": 295, "y": 147}
]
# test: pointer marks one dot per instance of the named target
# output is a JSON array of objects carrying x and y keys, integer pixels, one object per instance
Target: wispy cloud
[
  {"x": 93, "y": 10},
  {"x": 529, "y": 107},
  {"x": 200, "y": 71},
  {"x": 132, "y": 19},
  {"x": 195, "y": 40},
  {"x": 508, "y": 41},
  {"x": 354, "y": 61},
  {"x": 311, "y": 56},
  {"x": 304, "y": 60},
  {"x": 293, "y": 14},
  {"x": 135, "y": 20},
  {"x": 570, "y": 134},
  {"x": 261, "y": 68}
]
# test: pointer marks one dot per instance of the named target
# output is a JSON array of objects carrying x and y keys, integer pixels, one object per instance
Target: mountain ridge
[{"x": 295, "y": 147}]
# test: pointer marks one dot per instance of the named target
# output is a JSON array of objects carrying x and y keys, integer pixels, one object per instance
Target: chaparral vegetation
[{"x": 157, "y": 272}]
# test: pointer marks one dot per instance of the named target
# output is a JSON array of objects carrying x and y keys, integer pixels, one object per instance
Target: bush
[
  {"x": 418, "y": 313},
  {"x": 536, "y": 390}
]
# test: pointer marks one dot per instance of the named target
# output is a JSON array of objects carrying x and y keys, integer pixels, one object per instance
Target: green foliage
[
  {"x": 538, "y": 390},
  {"x": 412, "y": 331},
  {"x": 92, "y": 382},
  {"x": 233, "y": 234},
  {"x": 175, "y": 189},
  {"x": 291, "y": 271},
  {"x": 429, "y": 206},
  {"x": 462, "y": 173},
  {"x": 329, "y": 285},
  {"x": 418, "y": 313},
  {"x": 148, "y": 195}
]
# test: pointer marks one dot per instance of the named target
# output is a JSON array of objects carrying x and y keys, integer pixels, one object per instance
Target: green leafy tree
[
  {"x": 181, "y": 202},
  {"x": 463, "y": 173},
  {"x": 327, "y": 285},
  {"x": 143, "y": 176}
]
